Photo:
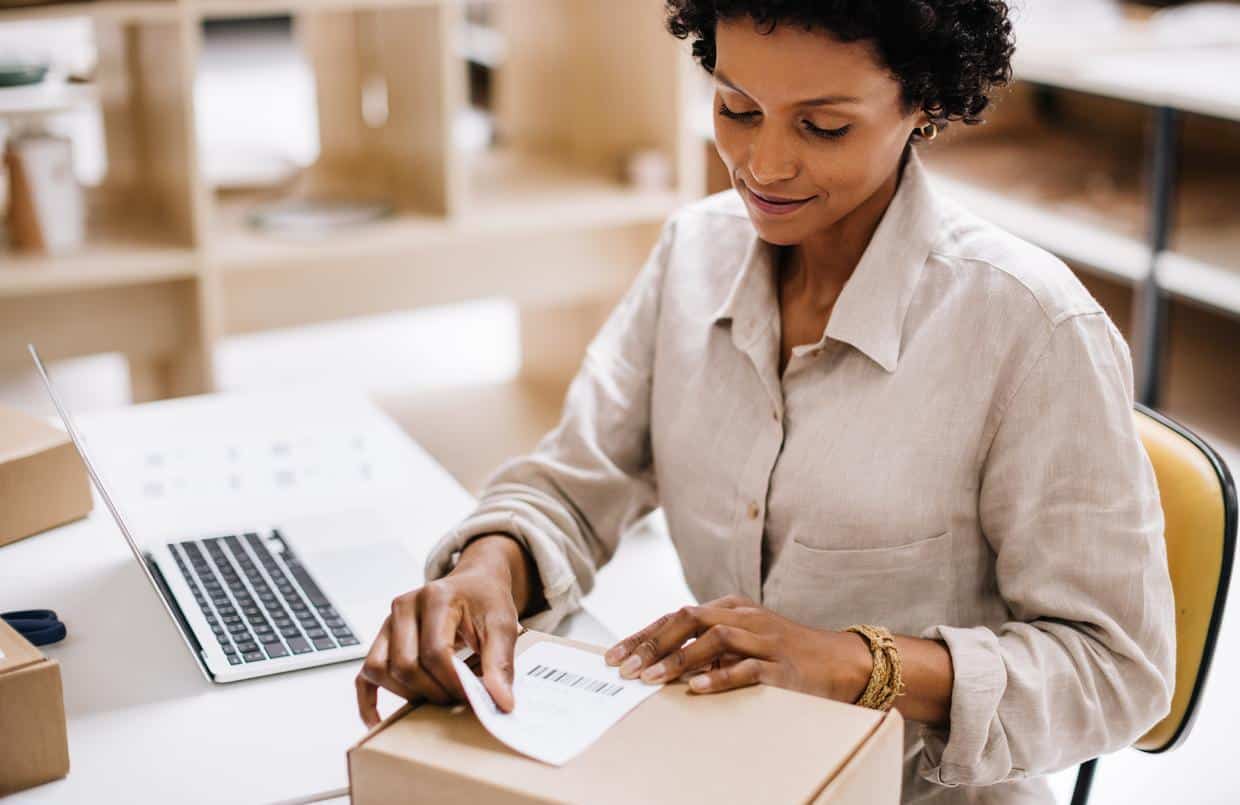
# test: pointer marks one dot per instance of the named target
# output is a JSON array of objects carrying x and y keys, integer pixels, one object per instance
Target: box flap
[
  {"x": 677, "y": 739},
  {"x": 24, "y": 435},
  {"x": 15, "y": 651}
]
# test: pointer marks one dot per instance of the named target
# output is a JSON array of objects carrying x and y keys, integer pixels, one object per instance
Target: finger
[
  {"x": 437, "y": 645},
  {"x": 731, "y": 601},
  {"x": 727, "y": 659},
  {"x": 499, "y": 646},
  {"x": 367, "y": 701},
  {"x": 646, "y": 646},
  {"x": 404, "y": 663},
  {"x": 666, "y": 635},
  {"x": 375, "y": 666},
  {"x": 401, "y": 634},
  {"x": 712, "y": 644},
  {"x": 747, "y": 672}
]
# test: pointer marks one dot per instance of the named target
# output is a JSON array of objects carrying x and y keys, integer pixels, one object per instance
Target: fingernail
[
  {"x": 631, "y": 665},
  {"x": 699, "y": 682},
  {"x": 653, "y": 672},
  {"x": 614, "y": 655}
]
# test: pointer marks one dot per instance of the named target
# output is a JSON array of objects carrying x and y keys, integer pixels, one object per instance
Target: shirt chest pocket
[{"x": 906, "y": 587}]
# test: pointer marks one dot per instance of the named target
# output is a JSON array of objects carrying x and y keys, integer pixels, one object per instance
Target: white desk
[{"x": 144, "y": 725}]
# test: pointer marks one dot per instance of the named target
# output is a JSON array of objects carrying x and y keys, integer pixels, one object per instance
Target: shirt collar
[{"x": 869, "y": 313}]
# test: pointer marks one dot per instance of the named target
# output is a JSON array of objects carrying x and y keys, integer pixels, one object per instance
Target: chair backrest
[{"x": 1199, "y": 505}]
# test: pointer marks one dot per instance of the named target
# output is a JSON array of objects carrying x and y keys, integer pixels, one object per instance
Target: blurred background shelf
[
  {"x": 243, "y": 9},
  {"x": 116, "y": 10},
  {"x": 504, "y": 179},
  {"x": 109, "y": 260}
]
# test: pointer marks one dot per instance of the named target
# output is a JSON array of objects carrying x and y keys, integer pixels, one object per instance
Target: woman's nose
[{"x": 770, "y": 159}]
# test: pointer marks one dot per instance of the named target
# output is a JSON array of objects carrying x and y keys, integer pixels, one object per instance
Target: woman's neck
[{"x": 816, "y": 269}]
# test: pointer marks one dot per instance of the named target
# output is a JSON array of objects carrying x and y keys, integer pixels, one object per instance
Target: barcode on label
[{"x": 574, "y": 680}]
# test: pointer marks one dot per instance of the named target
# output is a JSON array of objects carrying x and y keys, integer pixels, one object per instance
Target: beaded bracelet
[{"x": 886, "y": 682}]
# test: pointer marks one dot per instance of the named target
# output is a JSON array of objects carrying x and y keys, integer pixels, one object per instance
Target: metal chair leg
[{"x": 1084, "y": 781}]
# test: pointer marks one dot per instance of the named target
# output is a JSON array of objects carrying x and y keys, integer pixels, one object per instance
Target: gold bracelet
[{"x": 886, "y": 680}]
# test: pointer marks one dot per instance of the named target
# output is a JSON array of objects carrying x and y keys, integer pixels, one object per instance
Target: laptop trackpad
[{"x": 365, "y": 571}]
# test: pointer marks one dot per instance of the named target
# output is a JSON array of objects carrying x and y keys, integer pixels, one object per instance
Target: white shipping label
[{"x": 565, "y": 698}]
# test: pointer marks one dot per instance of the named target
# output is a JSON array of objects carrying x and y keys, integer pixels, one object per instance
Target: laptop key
[
  {"x": 233, "y": 659},
  {"x": 324, "y": 643},
  {"x": 348, "y": 641},
  {"x": 299, "y": 645},
  {"x": 290, "y": 631},
  {"x": 342, "y": 632},
  {"x": 247, "y": 646},
  {"x": 315, "y": 633},
  {"x": 307, "y": 584},
  {"x": 275, "y": 650},
  {"x": 254, "y": 656}
]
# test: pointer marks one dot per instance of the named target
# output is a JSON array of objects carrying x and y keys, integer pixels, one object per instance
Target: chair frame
[{"x": 1085, "y": 774}]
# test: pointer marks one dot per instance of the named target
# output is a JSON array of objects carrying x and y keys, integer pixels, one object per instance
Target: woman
[{"x": 857, "y": 405}]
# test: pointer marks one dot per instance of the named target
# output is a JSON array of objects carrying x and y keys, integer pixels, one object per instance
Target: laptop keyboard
[{"x": 260, "y": 605}]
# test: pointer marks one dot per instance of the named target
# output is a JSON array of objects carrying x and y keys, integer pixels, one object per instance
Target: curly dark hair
[{"x": 947, "y": 54}]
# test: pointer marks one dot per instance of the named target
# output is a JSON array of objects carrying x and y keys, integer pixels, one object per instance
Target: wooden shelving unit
[
  {"x": 544, "y": 216},
  {"x": 1121, "y": 155},
  {"x": 1088, "y": 199}
]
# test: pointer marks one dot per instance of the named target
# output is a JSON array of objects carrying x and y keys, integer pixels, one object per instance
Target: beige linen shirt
[{"x": 955, "y": 459}]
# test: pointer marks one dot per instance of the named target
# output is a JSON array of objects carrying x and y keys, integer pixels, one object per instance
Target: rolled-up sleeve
[
  {"x": 1069, "y": 504},
  {"x": 570, "y": 499}
]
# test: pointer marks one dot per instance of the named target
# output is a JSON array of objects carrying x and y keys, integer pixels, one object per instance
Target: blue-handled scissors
[{"x": 39, "y": 626}]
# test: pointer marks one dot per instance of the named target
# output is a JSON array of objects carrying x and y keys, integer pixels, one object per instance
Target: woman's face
[{"x": 809, "y": 127}]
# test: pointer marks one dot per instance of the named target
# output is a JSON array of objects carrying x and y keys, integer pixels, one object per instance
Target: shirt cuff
[
  {"x": 560, "y": 587},
  {"x": 964, "y": 753}
]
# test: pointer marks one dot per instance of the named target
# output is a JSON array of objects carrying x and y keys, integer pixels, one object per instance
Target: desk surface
[{"x": 144, "y": 725}]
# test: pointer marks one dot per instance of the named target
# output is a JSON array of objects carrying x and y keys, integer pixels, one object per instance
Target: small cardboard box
[
  {"x": 42, "y": 480},
  {"x": 755, "y": 744},
  {"x": 35, "y": 746}
]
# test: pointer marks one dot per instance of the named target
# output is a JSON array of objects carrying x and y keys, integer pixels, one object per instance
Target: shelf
[
  {"x": 118, "y": 10},
  {"x": 1132, "y": 63},
  {"x": 96, "y": 267},
  {"x": 1203, "y": 266},
  {"x": 1109, "y": 254},
  {"x": 507, "y": 189},
  {"x": 234, "y": 9},
  {"x": 1084, "y": 203},
  {"x": 112, "y": 256},
  {"x": 505, "y": 194}
]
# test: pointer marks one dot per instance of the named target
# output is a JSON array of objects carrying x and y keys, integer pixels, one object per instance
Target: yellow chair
[{"x": 1199, "y": 506}]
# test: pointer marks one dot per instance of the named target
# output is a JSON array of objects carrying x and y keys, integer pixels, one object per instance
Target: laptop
[{"x": 262, "y": 600}]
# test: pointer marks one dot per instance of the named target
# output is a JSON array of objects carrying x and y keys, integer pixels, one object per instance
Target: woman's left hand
[{"x": 738, "y": 643}]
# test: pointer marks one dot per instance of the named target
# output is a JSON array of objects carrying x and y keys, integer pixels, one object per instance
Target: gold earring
[{"x": 929, "y": 131}]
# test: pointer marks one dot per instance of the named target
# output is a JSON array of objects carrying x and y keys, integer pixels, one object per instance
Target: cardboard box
[
  {"x": 755, "y": 744},
  {"x": 35, "y": 746},
  {"x": 43, "y": 482}
]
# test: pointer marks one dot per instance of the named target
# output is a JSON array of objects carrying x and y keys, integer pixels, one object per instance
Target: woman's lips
[{"x": 775, "y": 207}]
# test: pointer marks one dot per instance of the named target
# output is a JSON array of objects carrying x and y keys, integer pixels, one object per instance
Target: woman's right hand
[{"x": 473, "y": 605}]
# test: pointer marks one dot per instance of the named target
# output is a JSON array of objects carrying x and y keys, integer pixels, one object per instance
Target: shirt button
[{"x": 754, "y": 511}]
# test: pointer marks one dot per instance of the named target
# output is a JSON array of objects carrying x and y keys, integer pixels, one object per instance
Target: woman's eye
[
  {"x": 828, "y": 134},
  {"x": 728, "y": 113}
]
